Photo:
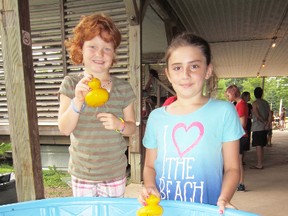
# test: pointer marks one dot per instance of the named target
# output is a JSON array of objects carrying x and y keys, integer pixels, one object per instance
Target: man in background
[{"x": 260, "y": 124}]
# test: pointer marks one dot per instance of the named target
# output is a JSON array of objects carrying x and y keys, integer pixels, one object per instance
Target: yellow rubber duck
[
  {"x": 98, "y": 95},
  {"x": 152, "y": 209}
]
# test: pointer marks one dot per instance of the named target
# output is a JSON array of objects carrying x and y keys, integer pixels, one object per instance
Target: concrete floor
[{"x": 267, "y": 189}]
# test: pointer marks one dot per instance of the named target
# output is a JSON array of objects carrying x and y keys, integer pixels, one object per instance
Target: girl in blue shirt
[{"x": 192, "y": 145}]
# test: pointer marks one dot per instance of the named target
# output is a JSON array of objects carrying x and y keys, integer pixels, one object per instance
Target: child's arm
[
  {"x": 149, "y": 176},
  {"x": 122, "y": 124},
  {"x": 270, "y": 120},
  {"x": 66, "y": 112},
  {"x": 69, "y": 110},
  {"x": 231, "y": 176},
  {"x": 129, "y": 118}
]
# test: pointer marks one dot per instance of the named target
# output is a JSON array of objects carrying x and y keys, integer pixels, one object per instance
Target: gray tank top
[{"x": 264, "y": 109}]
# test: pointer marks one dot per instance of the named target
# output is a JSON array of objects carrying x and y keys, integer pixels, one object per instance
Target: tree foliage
[{"x": 275, "y": 89}]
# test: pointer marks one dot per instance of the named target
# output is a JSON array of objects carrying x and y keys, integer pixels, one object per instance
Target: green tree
[{"x": 275, "y": 89}]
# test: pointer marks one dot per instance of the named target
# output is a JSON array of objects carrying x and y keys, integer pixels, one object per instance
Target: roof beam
[
  {"x": 132, "y": 12},
  {"x": 173, "y": 25},
  {"x": 150, "y": 58},
  {"x": 143, "y": 8}
]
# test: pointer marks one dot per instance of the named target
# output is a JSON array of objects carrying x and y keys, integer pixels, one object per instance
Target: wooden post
[
  {"x": 135, "y": 69},
  {"x": 21, "y": 99},
  {"x": 135, "y": 80}
]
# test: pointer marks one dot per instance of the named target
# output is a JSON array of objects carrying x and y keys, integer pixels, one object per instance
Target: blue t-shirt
[{"x": 189, "y": 164}]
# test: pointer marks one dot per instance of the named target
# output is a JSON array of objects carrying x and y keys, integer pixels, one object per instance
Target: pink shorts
[{"x": 86, "y": 188}]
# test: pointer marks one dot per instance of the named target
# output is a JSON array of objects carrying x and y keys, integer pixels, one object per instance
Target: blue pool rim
[{"x": 130, "y": 203}]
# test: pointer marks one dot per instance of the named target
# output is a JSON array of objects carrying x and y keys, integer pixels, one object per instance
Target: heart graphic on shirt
[{"x": 182, "y": 126}]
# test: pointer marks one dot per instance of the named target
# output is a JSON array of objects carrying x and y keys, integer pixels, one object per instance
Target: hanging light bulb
[
  {"x": 258, "y": 75},
  {"x": 263, "y": 63},
  {"x": 274, "y": 41}
]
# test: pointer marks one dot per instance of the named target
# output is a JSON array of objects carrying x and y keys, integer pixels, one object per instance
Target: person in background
[
  {"x": 270, "y": 129},
  {"x": 247, "y": 97},
  {"x": 283, "y": 119},
  {"x": 151, "y": 88},
  {"x": 192, "y": 145},
  {"x": 260, "y": 124},
  {"x": 170, "y": 100},
  {"x": 241, "y": 106},
  {"x": 276, "y": 123},
  {"x": 97, "y": 161}
]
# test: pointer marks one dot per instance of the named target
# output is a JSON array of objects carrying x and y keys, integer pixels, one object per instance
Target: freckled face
[
  {"x": 98, "y": 55},
  {"x": 187, "y": 71}
]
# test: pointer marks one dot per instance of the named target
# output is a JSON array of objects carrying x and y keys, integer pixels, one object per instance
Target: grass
[
  {"x": 5, "y": 147},
  {"x": 55, "y": 181},
  {"x": 6, "y": 168},
  {"x": 51, "y": 177}
]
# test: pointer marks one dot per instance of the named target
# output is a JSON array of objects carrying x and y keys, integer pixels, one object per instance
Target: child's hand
[
  {"x": 145, "y": 194},
  {"x": 82, "y": 88},
  {"x": 224, "y": 204},
  {"x": 109, "y": 121},
  {"x": 221, "y": 203}
]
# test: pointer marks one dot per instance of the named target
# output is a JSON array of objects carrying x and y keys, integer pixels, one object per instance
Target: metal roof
[{"x": 241, "y": 33}]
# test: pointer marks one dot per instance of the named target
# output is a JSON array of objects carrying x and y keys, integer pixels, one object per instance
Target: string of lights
[{"x": 273, "y": 42}]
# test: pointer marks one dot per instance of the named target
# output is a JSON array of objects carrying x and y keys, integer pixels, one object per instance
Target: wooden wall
[{"x": 51, "y": 23}]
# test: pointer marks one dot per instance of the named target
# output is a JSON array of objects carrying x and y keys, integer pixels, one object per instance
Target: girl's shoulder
[
  {"x": 158, "y": 111},
  {"x": 120, "y": 83},
  {"x": 119, "y": 80},
  {"x": 73, "y": 78},
  {"x": 219, "y": 103},
  {"x": 216, "y": 106}
]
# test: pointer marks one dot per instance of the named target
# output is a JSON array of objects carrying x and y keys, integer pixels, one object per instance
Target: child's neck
[
  {"x": 193, "y": 101},
  {"x": 101, "y": 76},
  {"x": 182, "y": 107}
]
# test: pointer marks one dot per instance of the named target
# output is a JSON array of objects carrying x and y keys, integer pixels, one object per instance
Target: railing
[
  {"x": 148, "y": 105},
  {"x": 158, "y": 93}
]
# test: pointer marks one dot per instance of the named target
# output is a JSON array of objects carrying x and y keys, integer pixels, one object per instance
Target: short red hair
[
  {"x": 89, "y": 27},
  {"x": 233, "y": 90}
]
